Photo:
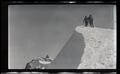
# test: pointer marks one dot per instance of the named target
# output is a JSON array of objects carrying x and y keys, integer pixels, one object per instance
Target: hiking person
[
  {"x": 90, "y": 20},
  {"x": 85, "y": 20}
]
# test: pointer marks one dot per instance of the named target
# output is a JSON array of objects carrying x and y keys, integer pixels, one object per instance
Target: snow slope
[
  {"x": 100, "y": 51},
  {"x": 71, "y": 53}
]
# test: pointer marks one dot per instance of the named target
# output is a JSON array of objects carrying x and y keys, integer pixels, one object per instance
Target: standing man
[
  {"x": 90, "y": 20},
  {"x": 85, "y": 21}
]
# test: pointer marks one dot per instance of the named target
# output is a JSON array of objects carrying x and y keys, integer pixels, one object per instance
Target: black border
[
  {"x": 59, "y": 2},
  {"x": 64, "y": 70},
  {"x": 4, "y": 34}
]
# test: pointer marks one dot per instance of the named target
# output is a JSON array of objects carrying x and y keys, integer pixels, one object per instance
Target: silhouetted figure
[
  {"x": 47, "y": 56},
  {"x": 85, "y": 21},
  {"x": 90, "y": 20}
]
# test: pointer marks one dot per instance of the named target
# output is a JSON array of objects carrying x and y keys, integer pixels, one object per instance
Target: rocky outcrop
[{"x": 38, "y": 63}]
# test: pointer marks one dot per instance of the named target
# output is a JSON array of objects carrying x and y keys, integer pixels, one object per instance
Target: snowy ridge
[{"x": 99, "y": 52}]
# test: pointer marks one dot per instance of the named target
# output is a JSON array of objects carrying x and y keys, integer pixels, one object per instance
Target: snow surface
[
  {"x": 42, "y": 61},
  {"x": 100, "y": 51}
]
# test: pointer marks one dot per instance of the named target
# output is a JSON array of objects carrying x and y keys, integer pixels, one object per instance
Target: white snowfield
[
  {"x": 100, "y": 49},
  {"x": 43, "y": 61}
]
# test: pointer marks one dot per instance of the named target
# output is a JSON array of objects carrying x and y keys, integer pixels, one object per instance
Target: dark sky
[{"x": 38, "y": 30}]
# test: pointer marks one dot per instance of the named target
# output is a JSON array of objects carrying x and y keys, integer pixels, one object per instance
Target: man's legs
[
  {"x": 86, "y": 24},
  {"x": 91, "y": 24}
]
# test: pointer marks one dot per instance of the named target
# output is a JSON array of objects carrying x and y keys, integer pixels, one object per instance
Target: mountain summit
[{"x": 100, "y": 51}]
